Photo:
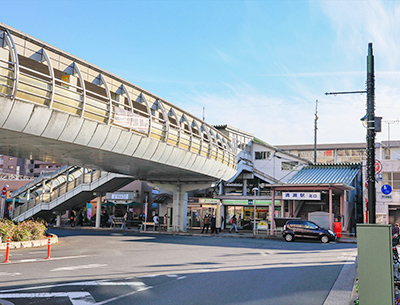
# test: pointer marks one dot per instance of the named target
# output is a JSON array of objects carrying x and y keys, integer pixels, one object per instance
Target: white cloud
[{"x": 288, "y": 118}]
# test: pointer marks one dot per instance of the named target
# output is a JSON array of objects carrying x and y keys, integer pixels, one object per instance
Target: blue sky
[{"x": 256, "y": 65}]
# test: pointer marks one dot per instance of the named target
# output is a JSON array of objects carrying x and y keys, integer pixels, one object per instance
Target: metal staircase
[{"x": 68, "y": 188}]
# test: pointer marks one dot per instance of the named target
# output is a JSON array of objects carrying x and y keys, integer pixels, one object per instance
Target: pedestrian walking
[
  {"x": 206, "y": 223},
  {"x": 233, "y": 222},
  {"x": 124, "y": 221}
]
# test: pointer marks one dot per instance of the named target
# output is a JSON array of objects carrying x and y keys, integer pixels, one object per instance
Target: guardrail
[{"x": 36, "y": 72}]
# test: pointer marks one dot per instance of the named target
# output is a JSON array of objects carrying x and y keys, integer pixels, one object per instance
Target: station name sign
[{"x": 301, "y": 196}]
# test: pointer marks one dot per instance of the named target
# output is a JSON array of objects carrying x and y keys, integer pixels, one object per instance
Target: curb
[
  {"x": 350, "y": 240},
  {"x": 30, "y": 243}
]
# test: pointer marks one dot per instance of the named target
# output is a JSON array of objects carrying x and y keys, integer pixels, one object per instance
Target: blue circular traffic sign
[{"x": 386, "y": 189}]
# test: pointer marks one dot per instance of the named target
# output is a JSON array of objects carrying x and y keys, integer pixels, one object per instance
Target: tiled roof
[{"x": 326, "y": 173}]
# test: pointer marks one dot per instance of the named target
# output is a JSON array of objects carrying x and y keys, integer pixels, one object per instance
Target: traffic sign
[
  {"x": 386, "y": 189},
  {"x": 378, "y": 167},
  {"x": 378, "y": 177},
  {"x": 4, "y": 192}
]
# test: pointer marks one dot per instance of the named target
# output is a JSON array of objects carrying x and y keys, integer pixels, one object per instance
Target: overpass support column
[
  {"x": 58, "y": 219},
  {"x": 180, "y": 198},
  {"x": 98, "y": 211}
]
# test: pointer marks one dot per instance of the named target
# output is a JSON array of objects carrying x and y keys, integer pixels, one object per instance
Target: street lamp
[{"x": 254, "y": 190}]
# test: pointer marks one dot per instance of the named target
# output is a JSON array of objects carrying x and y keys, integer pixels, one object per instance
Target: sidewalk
[{"x": 197, "y": 232}]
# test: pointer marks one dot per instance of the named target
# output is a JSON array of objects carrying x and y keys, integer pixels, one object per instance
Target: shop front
[
  {"x": 248, "y": 211},
  {"x": 198, "y": 208}
]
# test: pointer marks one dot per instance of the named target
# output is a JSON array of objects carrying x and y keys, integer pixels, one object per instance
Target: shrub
[{"x": 22, "y": 231}]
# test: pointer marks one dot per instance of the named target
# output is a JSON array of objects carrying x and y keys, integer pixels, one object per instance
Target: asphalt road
[{"x": 105, "y": 267}]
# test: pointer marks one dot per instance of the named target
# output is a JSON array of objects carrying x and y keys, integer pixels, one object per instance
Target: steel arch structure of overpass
[{"x": 59, "y": 108}]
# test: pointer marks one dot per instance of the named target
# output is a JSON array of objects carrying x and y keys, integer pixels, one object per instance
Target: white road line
[
  {"x": 76, "y": 298},
  {"x": 103, "y": 283},
  {"x": 9, "y": 274},
  {"x": 42, "y": 259},
  {"x": 28, "y": 260},
  {"x": 181, "y": 277},
  {"x": 72, "y": 268},
  {"x": 124, "y": 295},
  {"x": 87, "y": 283}
]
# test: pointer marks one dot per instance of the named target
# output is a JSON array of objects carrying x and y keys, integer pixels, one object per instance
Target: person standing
[
  {"x": 234, "y": 224},
  {"x": 206, "y": 223},
  {"x": 166, "y": 221},
  {"x": 396, "y": 229},
  {"x": 156, "y": 221},
  {"x": 72, "y": 218},
  {"x": 214, "y": 225}
]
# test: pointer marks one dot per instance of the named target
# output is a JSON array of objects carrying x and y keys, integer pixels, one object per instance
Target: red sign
[
  {"x": 4, "y": 191},
  {"x": 378, "y": 167}
]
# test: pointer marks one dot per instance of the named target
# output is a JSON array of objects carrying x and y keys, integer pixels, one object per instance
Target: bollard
[
  {"x": 7, "y": 251},
  {"x": 48, "y": 249}
]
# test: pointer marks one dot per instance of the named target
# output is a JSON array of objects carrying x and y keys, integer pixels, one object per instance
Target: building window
[
  {"x": 288, "y": 166},
  {"x": 261, "y": 155},
  {"x": 11, "y": 167},
  {"x": 396, "y": 181},
  {"x": 387, "y": 153}
]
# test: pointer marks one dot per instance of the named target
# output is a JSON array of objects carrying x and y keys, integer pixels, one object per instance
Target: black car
[{"x": 298, "y": 228}]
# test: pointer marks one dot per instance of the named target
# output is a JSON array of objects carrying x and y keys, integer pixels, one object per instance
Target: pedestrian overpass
[{"x": 58, "y": 108}]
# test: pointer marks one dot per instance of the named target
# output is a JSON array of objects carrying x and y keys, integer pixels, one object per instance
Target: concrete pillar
[
  {"x": 221, "y": 188},
  {"x": 273, "y": 212},
  {"x": 98, "y": 212},
  {"x": 180, "y": 199},
  {"x": 244, "y": 187},
  {"x": 330, "y": 209},
  {"x": 58, "y": 220}
]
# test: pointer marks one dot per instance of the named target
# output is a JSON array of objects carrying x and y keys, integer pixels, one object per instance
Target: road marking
[
  {"x": 9, "y": 274},
  {"x": 43, "y": 259},
  {"x": 87, "y": 283},
  {"x": 76, "y": 298},
  {"x": 124, "y": 295},
  {"x": 104, "y": 283},
  {"x": 181, "y": 277},
  {"x": 28, "y": 260},
  {"x": 72, "y": 268}
]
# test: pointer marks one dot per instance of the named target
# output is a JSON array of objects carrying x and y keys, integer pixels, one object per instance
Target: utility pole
[
  {"x": 371, "y": 136},
  {"x": 204, "y": 113},
  {"x": 315, "y": 131},
  {"x": 371, "y": 132}
]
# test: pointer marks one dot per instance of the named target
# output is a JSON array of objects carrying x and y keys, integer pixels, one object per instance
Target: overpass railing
[
  {"x": 36, "y": 72},
  {"x": 49, "y": 190}
]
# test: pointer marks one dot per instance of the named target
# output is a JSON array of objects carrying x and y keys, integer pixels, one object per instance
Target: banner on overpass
[{"x": 131, "y": 120}]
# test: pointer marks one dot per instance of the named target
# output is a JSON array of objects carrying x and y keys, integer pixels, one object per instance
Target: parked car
[{"x": 297, "y": 228}]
